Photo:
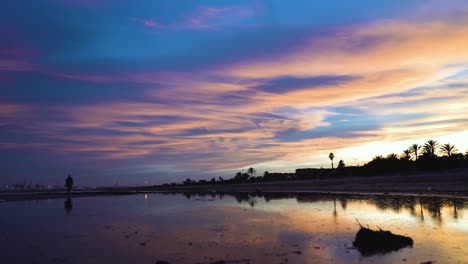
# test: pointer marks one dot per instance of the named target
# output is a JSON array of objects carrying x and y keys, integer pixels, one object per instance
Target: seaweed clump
[{"x": 370, "y": 242}]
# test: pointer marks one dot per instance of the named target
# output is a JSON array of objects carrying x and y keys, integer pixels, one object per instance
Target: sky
[{"x": 120, "y": 92}]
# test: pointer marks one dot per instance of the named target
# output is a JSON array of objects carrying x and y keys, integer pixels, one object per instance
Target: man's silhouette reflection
[{"x": 68, "y": 205}]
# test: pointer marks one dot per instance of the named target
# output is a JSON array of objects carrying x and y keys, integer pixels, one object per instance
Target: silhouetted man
[{"x": 69, "y": 183}]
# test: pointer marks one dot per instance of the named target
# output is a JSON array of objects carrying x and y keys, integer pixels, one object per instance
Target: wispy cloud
[
  {"x": 86, "y": 3},
  {"x": 147, "y": 22},
  {"x": 397, "y": 46},
  {"x": 205, "y": 18}
]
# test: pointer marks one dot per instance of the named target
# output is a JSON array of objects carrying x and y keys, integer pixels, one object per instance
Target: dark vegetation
[{"x": 429, "y": 157}]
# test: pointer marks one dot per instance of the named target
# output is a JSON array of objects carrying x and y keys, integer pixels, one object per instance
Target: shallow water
[{"x": 277, "y": 228}]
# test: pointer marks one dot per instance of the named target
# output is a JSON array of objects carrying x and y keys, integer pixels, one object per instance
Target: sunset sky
[{"x": 128, "y": 92}]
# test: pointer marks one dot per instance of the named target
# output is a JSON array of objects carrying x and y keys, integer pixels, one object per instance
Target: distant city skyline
[{"x": 128, "y": 92}]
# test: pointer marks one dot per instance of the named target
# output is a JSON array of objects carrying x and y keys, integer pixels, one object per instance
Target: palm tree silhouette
[
  {"x": 251, "y": 171},
  {"x": 406, "y": 154},
  {"x": 415, "y": 148},
  {"x": 448, "y": 149},
  {"x": 430, "y": 147},
  {"x": 341, "y": 164},
  {"x": 379, "y": 157},
  {"x": 331, "y": 156}
]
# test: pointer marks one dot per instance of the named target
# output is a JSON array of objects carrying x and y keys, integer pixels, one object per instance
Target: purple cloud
[
  {"x": 88, "y": 3},
  {"x": 147, "y": 22},
  {"x": 203, "y": 18}
]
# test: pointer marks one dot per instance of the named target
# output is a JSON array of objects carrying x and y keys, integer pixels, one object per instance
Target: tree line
[
  {"x": 426, "y": 157},
  {"x": 430, "y": 156}
]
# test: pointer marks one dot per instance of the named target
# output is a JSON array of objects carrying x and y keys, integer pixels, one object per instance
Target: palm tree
[
  {"x": 187, "y": 181},
  {"x": 406, "y": 154},
  {"x": 251, "y": 171},
  {"x": 241, "y": 177},
  {"x": 392, "y": 156},
  {"x": 430, "y": 147},
  {"x": 331, "y": 156},
  {"x": 448, "y": 149},
  {"x": 414, "y": 149},
  {"x": 341, "y": 164},
  {"x": 379, "y": 157}
]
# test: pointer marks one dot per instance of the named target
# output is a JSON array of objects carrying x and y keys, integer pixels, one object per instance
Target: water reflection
[
  {"x": 324, "y": 225},
  {"x": 68, "y": 205},
  {"x": 231, "y": 227},
  {"x": 416, "y": 205}
]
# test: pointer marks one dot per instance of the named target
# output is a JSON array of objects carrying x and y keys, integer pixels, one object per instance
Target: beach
[{"x": 453, "y": 182}]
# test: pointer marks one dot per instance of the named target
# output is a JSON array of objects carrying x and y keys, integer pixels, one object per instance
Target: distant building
[
  {"x": 313, "y": 173},
  {"x": 276, "y": 176}
]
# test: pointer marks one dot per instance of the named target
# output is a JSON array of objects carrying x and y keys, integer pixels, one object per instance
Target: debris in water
[{"x": 370, "y": 242}]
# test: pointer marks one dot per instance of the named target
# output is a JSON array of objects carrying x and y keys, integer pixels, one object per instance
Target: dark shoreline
[
  {"x": 445, "y": 184},
  {"x": 427, "y": 184},
  {"x": 46, "y": 196}
]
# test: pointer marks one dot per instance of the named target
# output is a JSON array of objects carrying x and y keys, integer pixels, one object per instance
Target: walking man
[{"x": 69, "y": 183}]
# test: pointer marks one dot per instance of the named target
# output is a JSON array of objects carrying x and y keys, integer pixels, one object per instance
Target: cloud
[
  {"x": 396, "y": 46},
  {"x": 83, "y": 3},
  {"x": 287, "y": 84},
  {"x": 147, "y": 22},
  {"x": 16, "y": 65},
  {"x": 388, "y": 83},
  {"x": 206, "y": 18},
  {"x": 11, "y": 110}
]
